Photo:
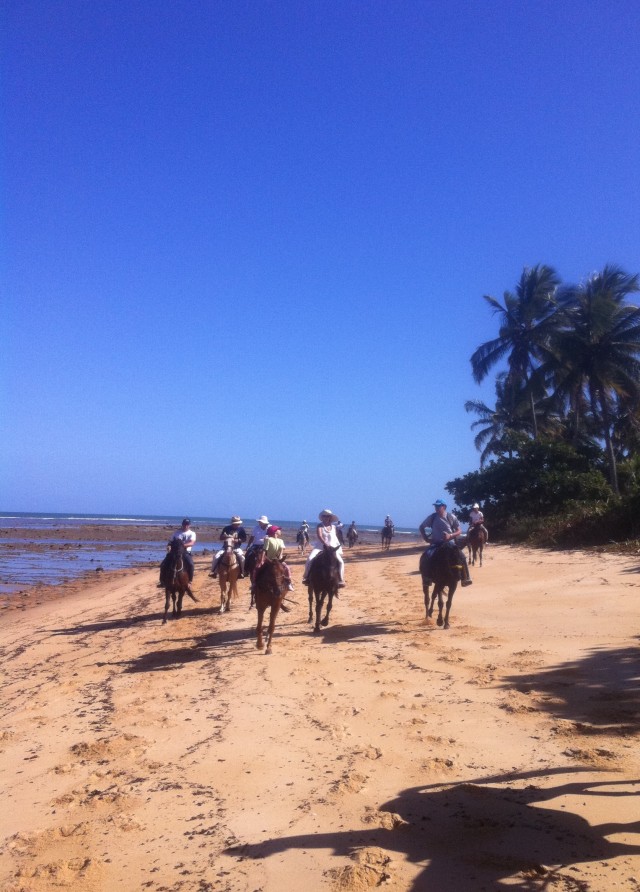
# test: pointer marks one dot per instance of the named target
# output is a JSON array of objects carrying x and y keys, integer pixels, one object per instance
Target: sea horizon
[{"x": 42, "y": 552}]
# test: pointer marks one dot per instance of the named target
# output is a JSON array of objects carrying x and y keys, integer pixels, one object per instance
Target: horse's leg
[
  {"x": 319, "y": 602},
  {"x": 174, "y": 611},
  {"x": 440, "y": 621},
  {"x": 325, "y": 621},
  {"x": 310, "y": 590},
  {"x": 261, "y": 608},
  {"x": 222, "y": 579},
  {"x": 232, "y": 587},
  {"x": 167, "y": 598},
  {"x": 480, "y": 550},
  {"x": 434, "y": 595},
  {"x": 179, "y": 603},
  {"x": 275, "y": 607},
  {"x": 425, "y": 591},
  {"x": 450, "y": 591}
]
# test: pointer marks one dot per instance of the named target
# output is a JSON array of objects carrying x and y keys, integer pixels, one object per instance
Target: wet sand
[{"x": 501, "y": 753}]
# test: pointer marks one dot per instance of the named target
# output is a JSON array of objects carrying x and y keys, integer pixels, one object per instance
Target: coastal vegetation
[{"x": 559, "y": 449}]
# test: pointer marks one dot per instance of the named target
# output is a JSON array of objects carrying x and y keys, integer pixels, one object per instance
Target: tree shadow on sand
[
  {"x": 600, "y": 692},
  {"x": 474, "y": 836}
]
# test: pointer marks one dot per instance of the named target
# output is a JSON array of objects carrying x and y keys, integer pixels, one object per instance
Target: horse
[
  {"x": 270, "y": 590},
  {"x": 228, "y": 572},
  {"x": 476, "y": 541},
  {"x": 352, "y": 537},
  {"x": 250, "y": 561},
  {"x": 176, "y": 579},
  {"x": 323, "y": 579},
  {"x": 442, "y": 568},
  {"x": 386, "y": 534},
  {"x": 302, "y": 538}
]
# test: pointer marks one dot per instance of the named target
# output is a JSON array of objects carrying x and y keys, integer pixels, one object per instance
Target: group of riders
[{"x": 440, "y": 529}]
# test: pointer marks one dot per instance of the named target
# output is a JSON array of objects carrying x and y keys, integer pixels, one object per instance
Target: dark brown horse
[
  {"x": 352, "y": 536},
  {"x": 476, "y": 541},
  {"x": 386, "y": 535},
  {"x": 440, "y": 568},
  {"x": 176, "y": 579},
  {"x": 323, "y": 580},
  {"x": 270, "y": 589}
]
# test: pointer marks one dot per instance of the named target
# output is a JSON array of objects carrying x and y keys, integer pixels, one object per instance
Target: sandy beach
[{"x": 499, "y": 754}]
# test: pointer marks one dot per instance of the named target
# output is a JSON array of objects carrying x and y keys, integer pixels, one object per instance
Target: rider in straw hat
[{"x": 326, "y": 535}]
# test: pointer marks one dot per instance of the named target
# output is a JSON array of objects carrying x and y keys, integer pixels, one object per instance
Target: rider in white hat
[
  {"x": 476, "y": 519},
  {"x": 326, "y": 535}
]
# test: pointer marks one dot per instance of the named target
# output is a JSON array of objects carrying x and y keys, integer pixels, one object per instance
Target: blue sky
[{"x": 246, "y": 243}]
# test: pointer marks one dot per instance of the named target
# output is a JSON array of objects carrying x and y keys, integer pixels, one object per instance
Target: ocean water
[{"x": 53, "y": 557}]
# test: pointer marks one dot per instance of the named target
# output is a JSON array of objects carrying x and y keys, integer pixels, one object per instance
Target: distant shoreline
[{"x": 55, "y": 551}]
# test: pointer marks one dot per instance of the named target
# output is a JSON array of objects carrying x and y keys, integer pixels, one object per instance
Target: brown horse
[
  {"x": 324, "y": 576},
  {"x": 228, "y": 572},
  {"x": 386, "y": 535},
  {"x": 440, "y": 568},
  {"x": 176, "y": 579},
  {"x": 270, "y": 589},
  {"x": 476, "y": 541}
]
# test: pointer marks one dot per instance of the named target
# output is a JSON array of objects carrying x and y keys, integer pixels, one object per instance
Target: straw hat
[
  {"x": 235, "y": 521},
  {"x": 262, "y": 519},
  {"x": 328, "y": 514}
]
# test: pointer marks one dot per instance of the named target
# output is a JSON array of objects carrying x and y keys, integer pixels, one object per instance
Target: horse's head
[
  {"x": 229, "y": 543},
  {"x": 176, "y": 547}
]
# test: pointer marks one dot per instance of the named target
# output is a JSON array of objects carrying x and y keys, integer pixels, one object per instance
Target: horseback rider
[
  {"x": 273, "y": 551},
  {"x": 444, "y": 530},
  {"x": 233, "y": 530},
  {"x": 188, "y": 537},
  {"x": 388, "y": 525},
  {"x": 326, "y": 535},
  {"x": 352, "y": 533},
  {"x": 476, "y": 519},
  {"x": 303, "y": 533}
]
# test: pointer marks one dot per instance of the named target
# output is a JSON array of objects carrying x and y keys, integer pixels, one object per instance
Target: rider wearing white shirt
[
  {"x": 186, "y": 535},
  {"x": 326, "y": 535}
]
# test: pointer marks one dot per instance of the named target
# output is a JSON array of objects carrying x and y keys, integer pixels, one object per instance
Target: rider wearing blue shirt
[{"x": 445, "y": 529}]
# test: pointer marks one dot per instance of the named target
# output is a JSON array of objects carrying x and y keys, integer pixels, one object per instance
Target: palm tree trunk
[
  {"x": 611, "y": 456},
  {"x": 534, "y": 420}
]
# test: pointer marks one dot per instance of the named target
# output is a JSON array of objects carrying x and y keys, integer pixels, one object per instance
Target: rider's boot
[{"x": 214, "y": 569}]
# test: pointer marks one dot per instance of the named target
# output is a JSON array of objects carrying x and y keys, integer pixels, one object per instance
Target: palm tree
[
  {"x": 526, "y": 323},
  {"x": 596, "y": 352},
  {"x": 497, "y": 427}
]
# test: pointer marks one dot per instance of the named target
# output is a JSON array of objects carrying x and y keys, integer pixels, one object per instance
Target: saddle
[{"x": 450, "y": 552}]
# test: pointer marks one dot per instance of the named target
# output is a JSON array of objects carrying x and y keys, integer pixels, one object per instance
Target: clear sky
[{"x": 246, "y": 243}]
